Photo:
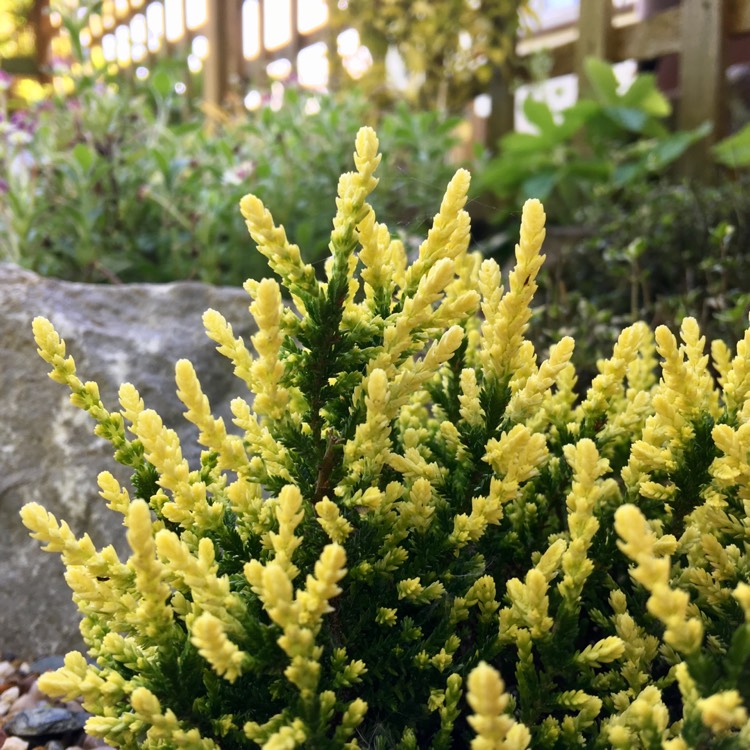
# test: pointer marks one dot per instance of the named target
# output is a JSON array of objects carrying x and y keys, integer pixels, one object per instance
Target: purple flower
[
  {"x": 6, "y": 79},
  {"x": 4, "y": 187},
  {"x": 23, "y": 120}
]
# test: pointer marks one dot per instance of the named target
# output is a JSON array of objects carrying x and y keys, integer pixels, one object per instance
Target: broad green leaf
[
  {"x": 161, "y": 160},
  {"x": 84, "y": 156},
  {"x": 668, "y": 149},
  {"x": 734, "y": 151},
  {"x": 603, "y": 80},
  {"x": 644, "y": 94},
  {"x": 161, "y": 83},
  {"x": 503, "y": 176},
  {"x": 186, "y": 128},
  {"x": 594, "y": 169},
  {"x": 523, "y": 143},
  {"x": 575, "y": 117},
  {"x": 629, "y": 118},
  {"x": 539, "y": 114},
  {"x": 626, "y": 173},
  {"x": 541, "y": 184}
]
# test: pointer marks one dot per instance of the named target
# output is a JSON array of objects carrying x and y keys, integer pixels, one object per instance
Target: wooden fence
[{"x": 698, "y": 31}]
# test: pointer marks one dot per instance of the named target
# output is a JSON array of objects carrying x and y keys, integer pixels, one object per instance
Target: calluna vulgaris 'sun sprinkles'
[{"x": 419, "y": 536}]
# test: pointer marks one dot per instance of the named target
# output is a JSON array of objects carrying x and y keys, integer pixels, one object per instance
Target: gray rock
[
  {"x": 45, "y": 721},
  {"x": 48, "y": 452}
]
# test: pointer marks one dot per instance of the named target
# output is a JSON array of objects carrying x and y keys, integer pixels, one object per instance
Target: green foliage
[
  {"x": 16, "y": 37},
  {"x": 411, "y": 498},
  {"x": 734, "y": 151},
  {"x": 450, "y": 48},
  {"x": 121, "y": 184},
  {"x": 613, "y": 138},
  {"x": 656, "y": 252}
]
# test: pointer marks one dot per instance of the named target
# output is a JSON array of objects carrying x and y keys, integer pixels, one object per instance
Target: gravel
[{"x": 31, "y": 721}]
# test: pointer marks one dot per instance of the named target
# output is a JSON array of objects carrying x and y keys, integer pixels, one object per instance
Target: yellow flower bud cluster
[
  {"x": 685, "y": 391},
  {"x": 529, "y": 608},
  {"x": 651, "y": 555},
  {"x": 488, "y": 699},
  {"x": 507, "y": 316},
  {"x": 409, "y": 502},
  {"x": 586, "y": 492}
]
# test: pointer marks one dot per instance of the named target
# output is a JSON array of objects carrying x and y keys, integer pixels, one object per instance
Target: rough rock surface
[{"x": 48, "y": 452}]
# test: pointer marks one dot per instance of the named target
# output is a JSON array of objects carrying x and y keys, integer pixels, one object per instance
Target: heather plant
[{"x": 419, "y": 536}]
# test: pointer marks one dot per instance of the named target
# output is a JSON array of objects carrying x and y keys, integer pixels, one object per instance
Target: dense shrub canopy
[{"x": 420, "y": 536}]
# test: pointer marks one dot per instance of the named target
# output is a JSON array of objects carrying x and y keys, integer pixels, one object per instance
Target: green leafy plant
[
  {"x": 16, "y": 36},
  {"x": 734, "y": 150},
  {"x": 613, "y": 138},
  {"x": 450, "y": 48},
  {"x": 418, "y": 538},
  {"x": 655, "y": 251},
  {"x": 119, "y": 184}
]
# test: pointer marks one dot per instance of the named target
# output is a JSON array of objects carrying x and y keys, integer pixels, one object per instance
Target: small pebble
[
  {"x": 8, "y": 699},
  {"x": 45, "y": 720},
  {"x": 33, "y": 698},
  {"x": 93, "y": 743},
  {"x": 6, "y": 670},
  {"x": 24, "y": 707}
]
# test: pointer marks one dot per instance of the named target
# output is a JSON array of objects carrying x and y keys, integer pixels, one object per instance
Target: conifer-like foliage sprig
[{"x": 417, "y": 535}]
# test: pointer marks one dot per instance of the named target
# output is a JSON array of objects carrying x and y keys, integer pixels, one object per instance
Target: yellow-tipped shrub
[{"x": 419, "y": 536}]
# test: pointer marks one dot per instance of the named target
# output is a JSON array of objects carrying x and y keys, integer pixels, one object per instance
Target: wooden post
[
  {"x": 40, "y": 20},
  {"x": 235, "y": 61},
  {"x": 216, "y": 78},
  {"x": 335, "y": 68},
  {"x": 702, "y": 77},
  {"x": 594, "y": 35},
  {"x": 502, "y": 116},
  {"x": 294, "y": 40},
  {"x": 261, "y": 78}
]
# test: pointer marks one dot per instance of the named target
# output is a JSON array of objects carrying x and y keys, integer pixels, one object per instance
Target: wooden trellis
[{"x": 697, "y": 30}]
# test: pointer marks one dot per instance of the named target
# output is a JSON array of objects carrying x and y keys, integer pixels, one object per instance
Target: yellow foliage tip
[
  {"x": 494, "y": 728},
  {"x": 209, "y": 638},
  {"x": 532, "y": 227},
  {"x": 366, "y": 156}
]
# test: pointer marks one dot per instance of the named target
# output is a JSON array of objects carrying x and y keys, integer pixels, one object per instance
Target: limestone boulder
[{"x": 48, "y": 453}]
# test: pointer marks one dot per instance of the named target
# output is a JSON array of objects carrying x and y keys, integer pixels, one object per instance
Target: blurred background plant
[
  {"x": 613, "y": 137},
  {"x": 448, "y": 51},
  {"x": 628, "y": 238},
  {"x": 655, "y": 251},
  {"x": 117, "y": 183},
  {"x": 123, "y": 172},
  {"x": 16, "y": 34}
]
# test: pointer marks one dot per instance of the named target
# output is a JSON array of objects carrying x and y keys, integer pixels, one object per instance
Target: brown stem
[{"x": 323, "y": 482}]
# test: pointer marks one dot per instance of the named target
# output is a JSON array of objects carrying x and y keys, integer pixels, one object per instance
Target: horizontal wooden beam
[
  {"x": 644, "y": 40},
  {"x": 656, "y": 36}
]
